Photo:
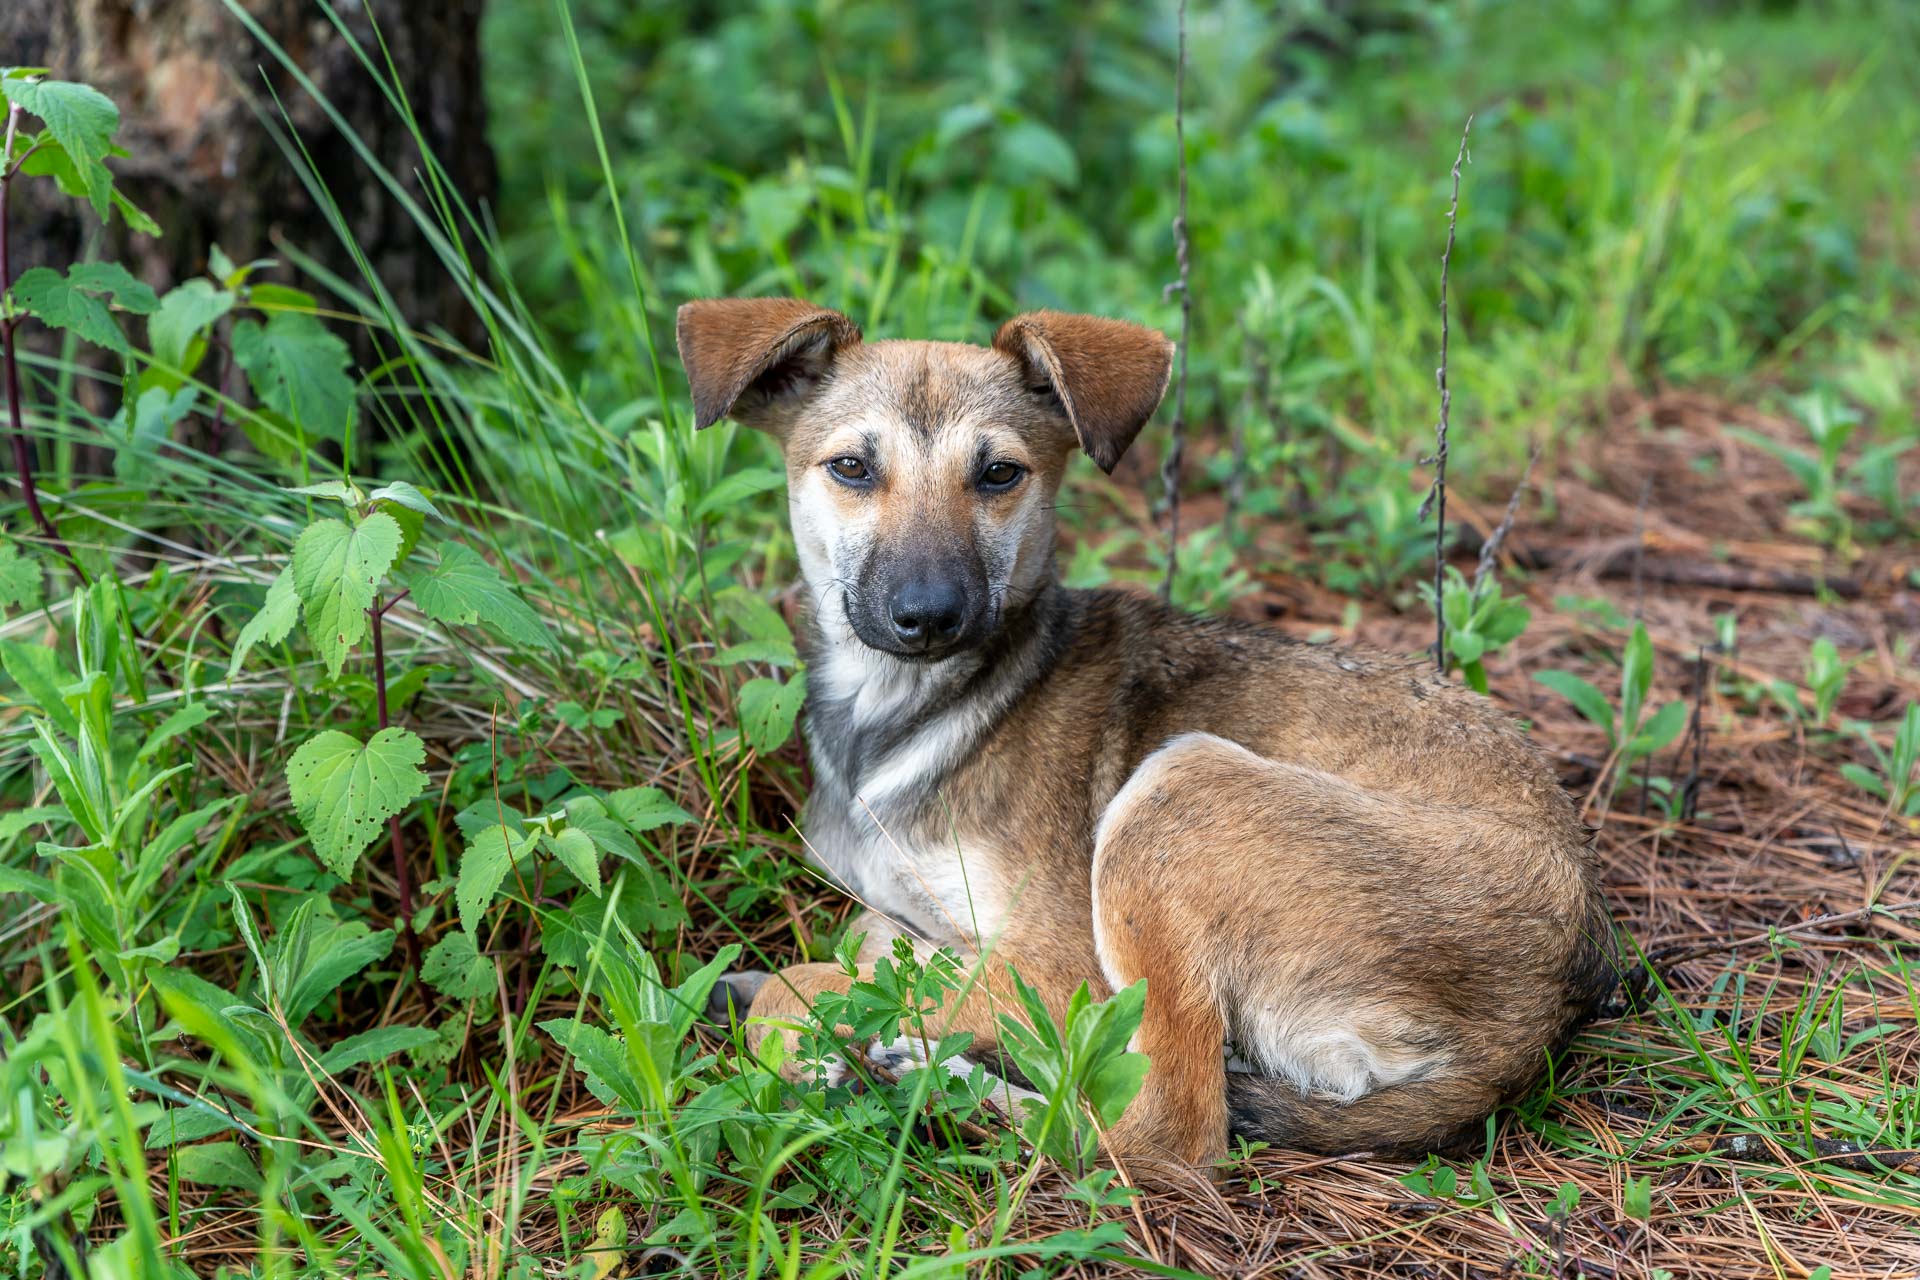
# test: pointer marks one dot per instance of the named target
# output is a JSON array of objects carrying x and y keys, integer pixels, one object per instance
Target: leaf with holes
[
  {"x": 82, "y": 120},
  {"x": 768, "y": 709},
  {"x": 336, "y": 571},
  {"x": 344, "y": 791},
  {"x": 483, "y": 867},
  {"x": 299, "y": 369},
  {"x": 78, "y": 301},
  {"x": 464, "y": 589}
]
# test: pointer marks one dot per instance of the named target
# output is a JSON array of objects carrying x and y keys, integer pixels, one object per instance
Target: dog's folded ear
[
  {"x": 745, "y": 355},
  {"x": 1108, "y": 375}
]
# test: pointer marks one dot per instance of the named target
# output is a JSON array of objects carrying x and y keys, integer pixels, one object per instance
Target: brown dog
[{"x": 1357, "y": 881}]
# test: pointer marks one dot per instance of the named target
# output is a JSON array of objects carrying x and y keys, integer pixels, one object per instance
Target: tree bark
[{"x": 191, "y": 84}]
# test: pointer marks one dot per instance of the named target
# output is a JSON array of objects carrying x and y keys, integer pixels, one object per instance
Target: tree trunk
[{"x": 191, "y": 84}]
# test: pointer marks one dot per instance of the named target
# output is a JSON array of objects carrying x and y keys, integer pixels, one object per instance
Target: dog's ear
[
  {"x": 744, "y": 355},
  {"x": 1108, "y": 375}
]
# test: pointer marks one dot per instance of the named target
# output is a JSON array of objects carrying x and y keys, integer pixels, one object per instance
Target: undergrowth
[{"x": 394, "y": 753}]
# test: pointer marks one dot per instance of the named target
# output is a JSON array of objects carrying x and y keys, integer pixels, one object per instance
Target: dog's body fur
[{"x": 1362, "y": 880}]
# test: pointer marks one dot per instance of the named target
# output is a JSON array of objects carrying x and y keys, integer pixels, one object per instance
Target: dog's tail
[{"x": 1410, "y": 1119}]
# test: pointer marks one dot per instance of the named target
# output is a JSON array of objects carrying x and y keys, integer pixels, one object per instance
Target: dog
[{"x": 1365, "y": 909}]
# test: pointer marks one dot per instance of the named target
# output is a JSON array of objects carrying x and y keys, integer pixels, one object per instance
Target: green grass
[{"x": 212, "y": 1051}]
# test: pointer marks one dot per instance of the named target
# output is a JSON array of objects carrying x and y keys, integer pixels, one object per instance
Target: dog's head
[{"x": 921, "y": 475}]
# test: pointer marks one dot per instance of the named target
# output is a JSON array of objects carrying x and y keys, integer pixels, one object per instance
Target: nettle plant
[{"x": 345, "y": 574}]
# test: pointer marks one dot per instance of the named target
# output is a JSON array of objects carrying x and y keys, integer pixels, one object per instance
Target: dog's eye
[
  {"x": 850, "y": 469},
  {"x": 1001, "y": 475}
]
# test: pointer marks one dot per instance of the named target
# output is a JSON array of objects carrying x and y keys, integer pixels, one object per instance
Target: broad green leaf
[
  {"x": 183, "y": 316},
  {"x": 271, "y": 624},
  {"x": 314, "y": 953},
  {"x": 337, "y": 570},
  {"x": 82, "y": 120},
  {"x": 1031, "y": 152},
  {"x": 338, "y": 490},
  {"x": 400, "y": 493},
  {"x": 464, "y": 589},
  {"x": 217, "y": 1164},
  {"x": 1586, "y": 699},
  {"x": 601, "y": 1060},
  {"x": 644, "y": 808},
  {"x": 768, "y": 709},
  {"x": 1661, "y": 728},
  {"x": 777, "y": 652},
  {"x": 41, "y": 675},
  {"x": 483, "y": 867},
  {"x": 374, "y": 1045},
  {"x": 574, "y": 848},
  {"x": 20, "y": 579},
  {"x": 145, "y": 425},
  {"x": 78, "y": 300},
  {"x": 344, "y": 791},
  {"x": 299, "y": 369},
  {"x": 455, "y": 968}
]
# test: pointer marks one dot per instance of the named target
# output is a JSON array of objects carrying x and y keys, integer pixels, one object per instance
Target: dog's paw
[
  {"x": 732, "y": 996},
  {"x": 909, "y": 1053}
]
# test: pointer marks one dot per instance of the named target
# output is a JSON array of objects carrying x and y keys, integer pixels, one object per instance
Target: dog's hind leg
[{"x": 1142, "y": 929}]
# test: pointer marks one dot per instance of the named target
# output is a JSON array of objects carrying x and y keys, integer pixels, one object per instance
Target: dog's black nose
[{"x": 927, "y": 612}]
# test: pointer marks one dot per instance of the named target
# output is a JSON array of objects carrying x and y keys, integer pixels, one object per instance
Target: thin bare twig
[
  {"x": 16, "y": 420},
  {"x": 1176, "y": 446},
  {"x": 1490, "y": 550},
  {"x": 1437, "y": 496}
]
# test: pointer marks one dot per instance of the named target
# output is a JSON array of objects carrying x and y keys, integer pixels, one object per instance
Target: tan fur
[{"x": 1364, "y": 878}]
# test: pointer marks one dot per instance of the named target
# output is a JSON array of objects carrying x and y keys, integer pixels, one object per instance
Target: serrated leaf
[
  {"x": 778, "y": 652},
  {"x": 20, "y": 579},
  {"x": 339, "y": 490},
  {"x": 768, "y": 709},
  {"x": 82, "y": 120},
  {"x": 483, "y": 867},
  {"x": 400, "y": 493},
  {"x": 271, "y": 624},
  {"x": 298, "y": 368},
  {"x": 644, "y": 808},
  {"x": 602, "y": 1061},
  {"x": 464, "y": 589},
  {"x": 455, "y": 968},
  {"x": 183, "y": 316},
  {"x": 78, "y": 300},
  {"x": 337, "y": 570},
  {"x": 344, "y": 791},
  {"x": 574, "y": 848}
]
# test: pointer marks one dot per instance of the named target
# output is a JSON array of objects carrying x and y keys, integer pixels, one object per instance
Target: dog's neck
[{"x": 883, "y": 728}]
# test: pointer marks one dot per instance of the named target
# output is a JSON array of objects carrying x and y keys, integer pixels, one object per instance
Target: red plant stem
[
  {"x": 22, "y": 451},
  {"x": 402, "y": 877}
]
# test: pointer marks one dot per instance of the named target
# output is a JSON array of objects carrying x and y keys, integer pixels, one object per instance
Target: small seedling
[
  {"x": 1480, "y": 622},
  {"x": 1629, "y": 736},
  {"x": 1895, "y": 782}
]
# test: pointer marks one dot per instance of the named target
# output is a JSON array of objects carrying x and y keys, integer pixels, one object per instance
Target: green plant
[
  {"x": 1895, "y": 781},
  {"x": 1081, "y": 1066},
  {"x": 1481, "y": 620},
  {"x": 1830, "y": 426},
  {"x": 1631, "y": 735}
]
